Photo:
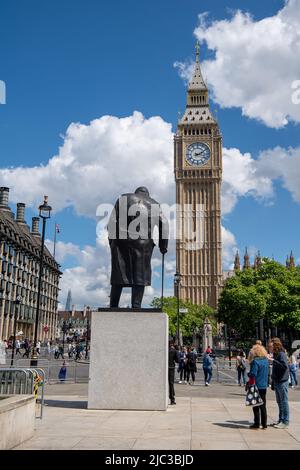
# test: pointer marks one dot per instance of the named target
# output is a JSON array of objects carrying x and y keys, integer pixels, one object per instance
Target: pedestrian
[
  {"x": 60, "y": 351},
  {"x": 55, "y": 351},
  {"x": 173, "y": 358},
  {"x": 49, "y": 348},
  {"x": 70, "y": 350},
  {"x": 182, "y": 365},
  {"x": 63, "y": 372},
  {"x": 38, "y": 347},
  {"x": 259, "y": 368},
  {"x": 207, "y": 367},
  {"x": 18, "y": 347},
  {"x": 241, "y": 367},
  {"x": 27, "y": 348},
  {"x": 280, "y": 380},
  {"x": 293, "y": 366},
  {"x": 191, "y": 365}
]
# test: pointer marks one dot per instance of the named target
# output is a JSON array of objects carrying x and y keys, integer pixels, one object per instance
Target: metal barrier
[
  {"x": 226, "y": 370},
  {"x": 77, "y": 371},
  {"x": 20, "y": 381}
]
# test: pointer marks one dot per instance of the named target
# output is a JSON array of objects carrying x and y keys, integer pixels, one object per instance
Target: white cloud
[
  {"x": 282, "y": 164},
  {"x": 255, "y": 63},
  {"x": 229, "y": 247},
  {"x": 242, "y": 178},
  {"x": 99, "y": 161}
]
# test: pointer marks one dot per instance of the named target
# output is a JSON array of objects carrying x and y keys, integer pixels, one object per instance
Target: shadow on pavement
[
  {"x": 66, "y": 404},
  {"x": 234, "y": 424}
]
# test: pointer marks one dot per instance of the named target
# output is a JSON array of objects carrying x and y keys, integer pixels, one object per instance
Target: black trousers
[
  {"x": 260, "y": 412},
  {"x": 192, "y": 374},
  {"x": 171, "y": 377},
  {"x": 137, "y": 294}
]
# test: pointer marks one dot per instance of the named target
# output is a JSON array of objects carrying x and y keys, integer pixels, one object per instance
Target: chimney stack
[
  {"x": 35, "y": 226},
  {"x": 4, "y": 193},
  {"x": 20, "y": 213}
]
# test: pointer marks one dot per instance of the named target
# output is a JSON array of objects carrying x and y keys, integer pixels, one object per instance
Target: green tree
[
  {"x": 190, "y": 322},
  {"x": 270, "y": 292}
]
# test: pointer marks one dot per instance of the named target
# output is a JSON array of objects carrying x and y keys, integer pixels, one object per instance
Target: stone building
[
  {"x": 198, "y": 176},
  {"x": 19, "y": 270},
  {"x": 74, "y": 322}
]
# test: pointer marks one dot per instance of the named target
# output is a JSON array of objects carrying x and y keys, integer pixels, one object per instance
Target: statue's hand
[{"x": 164, "y": 251}]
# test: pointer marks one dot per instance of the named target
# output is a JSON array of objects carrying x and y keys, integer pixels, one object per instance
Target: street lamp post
[
  {"x": 44, "y": 213},
  {"x": 88, "y": 309},
  {"x": 177, "y": 281},
  {"x": 16, "y": 313},
  {"x": 64, "y": 330}
]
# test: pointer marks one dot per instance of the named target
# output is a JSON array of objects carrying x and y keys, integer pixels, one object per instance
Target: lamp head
[
  {"x": 45, "y": 209},
  {"x": 177, "y": 278}
]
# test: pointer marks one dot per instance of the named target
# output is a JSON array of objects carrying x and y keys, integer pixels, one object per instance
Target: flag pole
[{"x": 54, "y": 244}]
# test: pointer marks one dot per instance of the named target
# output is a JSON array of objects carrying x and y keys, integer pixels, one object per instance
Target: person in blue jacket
[
  {"x": 207, "y": 367},
  {"x": 62, "y": 372},
  {"x": 259, "y": 370}
]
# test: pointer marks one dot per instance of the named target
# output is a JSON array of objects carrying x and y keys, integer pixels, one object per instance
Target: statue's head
[{"x": 142, "y": 190}]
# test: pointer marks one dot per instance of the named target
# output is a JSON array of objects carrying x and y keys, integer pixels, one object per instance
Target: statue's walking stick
[{"x": 162, "y": 280}]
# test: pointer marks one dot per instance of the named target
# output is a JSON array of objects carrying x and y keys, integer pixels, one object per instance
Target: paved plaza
[{"x": 208, "y": 418}]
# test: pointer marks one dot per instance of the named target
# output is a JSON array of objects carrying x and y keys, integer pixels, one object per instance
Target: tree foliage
[
  {"x": 190, "y": 322},
  {"x": 270, "y": 292}
]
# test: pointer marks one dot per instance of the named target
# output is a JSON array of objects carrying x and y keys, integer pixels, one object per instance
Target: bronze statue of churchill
[{"x": 130, "y": 232}]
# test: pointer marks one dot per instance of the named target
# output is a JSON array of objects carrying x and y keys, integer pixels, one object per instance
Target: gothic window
[
  {"x": 5, "y": 248},
  {"x": 4, "y": 264}
]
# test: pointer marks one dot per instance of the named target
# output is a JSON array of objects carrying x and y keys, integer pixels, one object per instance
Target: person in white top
[{"x": 18, "y": 346}]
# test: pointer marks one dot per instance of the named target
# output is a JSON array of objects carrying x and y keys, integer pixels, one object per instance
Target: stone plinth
[
  {"x": 128, "y": 360},
  {"x": 17, "y": 420}
]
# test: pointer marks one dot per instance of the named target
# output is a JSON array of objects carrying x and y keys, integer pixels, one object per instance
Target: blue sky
[{"x": 75, "y": 61}]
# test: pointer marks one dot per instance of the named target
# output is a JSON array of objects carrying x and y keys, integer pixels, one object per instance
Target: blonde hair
[{"x": 258, "y": 351}]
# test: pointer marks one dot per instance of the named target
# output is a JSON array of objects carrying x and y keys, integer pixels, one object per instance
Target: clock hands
[{"x": 199, "y": 153}]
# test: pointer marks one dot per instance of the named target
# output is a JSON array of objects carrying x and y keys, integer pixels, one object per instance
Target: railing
[
  {"x": 226, "y": 369},
  {"x": 20, "y": 381},
  {"x": 77, "y": 371}
]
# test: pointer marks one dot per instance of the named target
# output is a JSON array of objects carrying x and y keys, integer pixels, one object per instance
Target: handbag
[{"x": 253, "y": 397}]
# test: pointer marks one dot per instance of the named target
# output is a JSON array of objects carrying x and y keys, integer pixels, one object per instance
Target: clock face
[{"x": 197, "y": 153}]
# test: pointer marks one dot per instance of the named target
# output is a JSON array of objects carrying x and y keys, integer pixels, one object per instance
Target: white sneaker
[
  {"x": 185, "y": 382},
  {"x": 281, "y": 426},
  {"x": 180, "y": 382},
  {"x": 206, "y": 384}
]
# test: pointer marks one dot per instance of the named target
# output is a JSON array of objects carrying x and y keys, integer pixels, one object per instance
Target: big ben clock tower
[{"x": 198, "y": 176}]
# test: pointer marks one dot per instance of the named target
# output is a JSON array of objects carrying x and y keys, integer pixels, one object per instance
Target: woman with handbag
[{"x": 259, "y": 368}]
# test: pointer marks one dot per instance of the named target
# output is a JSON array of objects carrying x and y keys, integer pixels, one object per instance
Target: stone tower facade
[{"x": 198, "y": 176}]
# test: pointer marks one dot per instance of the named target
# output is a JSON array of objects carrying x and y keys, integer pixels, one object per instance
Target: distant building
[
  {"x": 19, "y": 270},
  {"x": 68, "y": 306},
  {"x": 75, "y": 321}
]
